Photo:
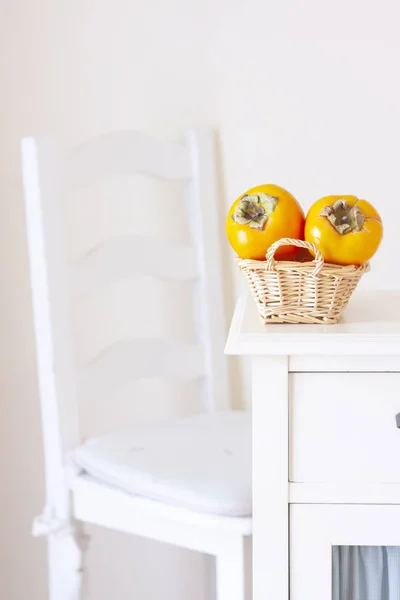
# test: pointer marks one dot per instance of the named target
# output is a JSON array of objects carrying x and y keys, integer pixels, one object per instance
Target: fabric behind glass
[{"x": 366, "y": 573}]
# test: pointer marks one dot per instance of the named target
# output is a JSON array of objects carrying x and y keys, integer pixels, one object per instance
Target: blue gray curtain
[{"x": 366, "y": 573}]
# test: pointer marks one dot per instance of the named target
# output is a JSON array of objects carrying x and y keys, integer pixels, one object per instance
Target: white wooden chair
[{"x": 190, "y": 482}]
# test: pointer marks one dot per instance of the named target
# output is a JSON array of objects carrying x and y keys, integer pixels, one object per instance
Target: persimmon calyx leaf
[
  {"x": 343, "y": 217},
  {"x": 254, "y": 210}
]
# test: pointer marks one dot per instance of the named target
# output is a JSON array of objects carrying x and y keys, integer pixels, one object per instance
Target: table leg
[{"x": 270, "y": 478}]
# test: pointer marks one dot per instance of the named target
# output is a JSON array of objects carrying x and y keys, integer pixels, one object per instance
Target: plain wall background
[{"x": 305, "y": 95}]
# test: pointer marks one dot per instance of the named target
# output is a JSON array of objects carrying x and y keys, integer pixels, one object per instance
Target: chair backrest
[{"x": 47, "y": 177}]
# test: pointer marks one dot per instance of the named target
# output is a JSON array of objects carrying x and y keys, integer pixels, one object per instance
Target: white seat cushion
[{"x": 202, "y": 463}]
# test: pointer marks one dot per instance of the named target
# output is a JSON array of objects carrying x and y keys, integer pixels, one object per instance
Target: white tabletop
[{"x": 370, "y": 325}]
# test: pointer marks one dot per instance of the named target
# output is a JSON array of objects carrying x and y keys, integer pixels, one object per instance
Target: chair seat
[{"x": 202, "y": 463}]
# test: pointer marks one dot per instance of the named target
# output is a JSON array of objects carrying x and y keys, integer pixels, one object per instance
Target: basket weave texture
[{"x": 300, "y": 292}]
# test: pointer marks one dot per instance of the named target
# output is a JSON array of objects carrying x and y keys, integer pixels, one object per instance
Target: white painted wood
[
  {"x": 344, "y": 441},
  {"x": 316, "y": 528},
  {"x": 352, "y": 363},
  {"x": 270, "y": 478},
  {"x": 205, "y": 207},
  {"x": 45, "y": 176},
  {"x": 54, "y": 359},
  {"x": 230, "y": 571},
  {"x": 126, "y": 361},
  {"x": 344, "y": 493},
  {"x": 343, "y": 427},
  {"x": 129, "y": 256},
  {"x": 103, "y": 505},
  {"x": 65, "y": 567},
  {"x": 50, "y": 306},
  {"x": 310, "y": 544},
  {"x": 365, "y": 330},
  {"x": 126, "y": 152}
]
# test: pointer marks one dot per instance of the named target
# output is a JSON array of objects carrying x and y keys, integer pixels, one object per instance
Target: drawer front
[{"x": 343, "y": 427}]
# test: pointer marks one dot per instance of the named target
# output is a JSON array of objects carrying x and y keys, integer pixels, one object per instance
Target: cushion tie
[{"x": 47, "y": 523}]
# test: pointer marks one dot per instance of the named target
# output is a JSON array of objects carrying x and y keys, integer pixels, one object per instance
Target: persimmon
[
  {"x": 260, "y": 217},
  {"x": 346, "y": 230}
]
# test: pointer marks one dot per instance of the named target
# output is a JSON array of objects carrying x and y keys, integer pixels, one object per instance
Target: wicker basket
[{"x": 300, "y": 292}]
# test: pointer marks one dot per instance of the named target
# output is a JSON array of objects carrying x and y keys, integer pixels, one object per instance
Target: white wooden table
[{"x": 326, "y": 445}]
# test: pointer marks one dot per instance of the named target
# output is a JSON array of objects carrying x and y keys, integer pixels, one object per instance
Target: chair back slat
[
  {"x": 125, "y": 361},
  {"x": 126, "y": 152},
  {"x": 128, "y": 256}
]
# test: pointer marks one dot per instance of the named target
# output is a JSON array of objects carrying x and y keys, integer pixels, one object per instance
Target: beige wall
[{"x": 301, "y": 95}]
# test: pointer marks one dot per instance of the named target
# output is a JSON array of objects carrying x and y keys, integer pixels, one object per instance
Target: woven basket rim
[{"x": 293, "y": 265}]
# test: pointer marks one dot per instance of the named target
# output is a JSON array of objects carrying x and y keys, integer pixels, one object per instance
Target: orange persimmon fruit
[
  {"x": 262, "y": 216},
  {"x": 346, "y": 230}
]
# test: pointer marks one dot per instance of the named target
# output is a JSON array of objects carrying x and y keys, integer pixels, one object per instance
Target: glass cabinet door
[{"x": 344, "y": 552}]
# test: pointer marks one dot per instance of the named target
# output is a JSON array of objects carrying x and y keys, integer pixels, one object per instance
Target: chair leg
[
  {"x": 230, "y": 571},
  {"x": 65, "y": 557}
]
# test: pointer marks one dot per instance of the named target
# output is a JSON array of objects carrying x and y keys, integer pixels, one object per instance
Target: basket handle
[{"x": 318, "y": 261}]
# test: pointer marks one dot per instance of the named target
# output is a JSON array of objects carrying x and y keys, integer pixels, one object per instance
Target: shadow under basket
[{"x": 300, "y": 292}]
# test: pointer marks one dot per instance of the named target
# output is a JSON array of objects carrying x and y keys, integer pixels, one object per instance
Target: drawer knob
[{"x": 398, "y": 420}]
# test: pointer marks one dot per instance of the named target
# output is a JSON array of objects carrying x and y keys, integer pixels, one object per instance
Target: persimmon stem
[
  {"x": 343, "y": 217},
  {"x": 254, "y": 210}
]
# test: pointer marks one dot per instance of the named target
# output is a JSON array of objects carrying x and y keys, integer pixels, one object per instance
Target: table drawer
[{"x": 343, "y": 427}]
